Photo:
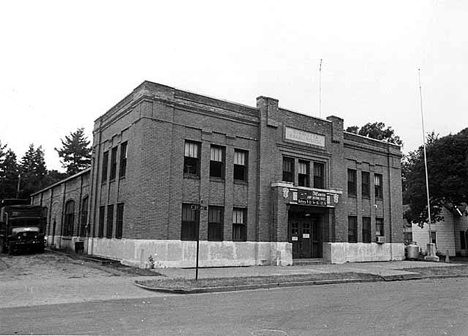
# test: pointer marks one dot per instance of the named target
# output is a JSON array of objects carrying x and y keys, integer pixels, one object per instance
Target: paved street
[{"x": 424, "y": 307}]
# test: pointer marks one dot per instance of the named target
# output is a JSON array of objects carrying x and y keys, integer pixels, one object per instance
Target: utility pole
[{"x": 198, "y": 208}]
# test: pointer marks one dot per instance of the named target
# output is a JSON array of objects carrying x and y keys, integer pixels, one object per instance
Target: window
[
  {"x": 240, "y": 165},
  {"x": 378, "y": 186},
  {"x": 102, "y": 212},
  {"x": 192, "y": 159},
  {"x": 303, "y": 174},
  {"x": 352, "y": 229},
  {"x": 352, "y": 182},
  {"x": 69, "y": 218},
  {"x": 366, "y": 230},
  {"x": 365, "y": 184},
  {"x": 113, "y": 167},
  {"x": 408, "y": 237},
  {"x": 319, "y": 175},
  {"x": 217, "y": 162},
  {"x": 239, "y": 220},
  {"x": 123, "y": 159},
  {"x": 215, "y": 223},
  {"x": 462, "y": 240},
  {"x": 119, "y": 221},
  {"x": 105, "y": 163},
  {"x": 110, "y": 221},
  {"x": 189, "y": 223},
  {"x": 288, "y": 169},
  {"x": 84, "y": 216},
  {"x": 379, "y": 227},
  {"x": 433, "y": 237}
]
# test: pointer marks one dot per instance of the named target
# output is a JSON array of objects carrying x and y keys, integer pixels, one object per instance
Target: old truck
[{"x": 22, "y": 226}]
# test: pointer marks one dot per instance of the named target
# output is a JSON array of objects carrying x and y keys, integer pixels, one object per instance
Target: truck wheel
[{"x": 11, "y": 249}]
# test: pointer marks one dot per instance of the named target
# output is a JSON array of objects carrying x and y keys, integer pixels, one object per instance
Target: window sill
[
  {"x": 240, "y": 182},
  {"x": 216, "y": 179},
  {"x": 67, "y": 238},
  {"x": 191, "y": 177}
]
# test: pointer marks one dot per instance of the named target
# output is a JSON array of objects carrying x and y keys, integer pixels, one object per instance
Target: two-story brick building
[{"x": 266, "y": 185}]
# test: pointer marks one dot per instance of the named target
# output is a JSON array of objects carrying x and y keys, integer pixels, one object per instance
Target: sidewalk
[
  {"x": 182, "y": 281},
  {"x": 383, "y": 269}
]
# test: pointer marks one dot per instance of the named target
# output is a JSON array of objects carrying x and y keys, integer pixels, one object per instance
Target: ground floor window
[
  {"x": 69, "y": 218},
  {"x": 239, "y": 221},
  {"x": 352, "y": 229},
  {"x": 462, "y": 240},
  {"x": 379, "y": 227},
  {"x": 366, "y": 230},
  {"x": 215, "y": 223},
  {"x": 102, "y": 212},
  {"x": 119, "y": 221},
  {"x": 189, "y": 223},
  {"x": 110, "y": 221}
]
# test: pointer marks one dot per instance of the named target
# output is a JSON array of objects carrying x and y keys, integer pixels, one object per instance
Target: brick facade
[{"x": 155, "y": 122}]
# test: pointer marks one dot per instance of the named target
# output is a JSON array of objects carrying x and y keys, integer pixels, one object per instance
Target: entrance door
[{"x": 305, "y": 238}]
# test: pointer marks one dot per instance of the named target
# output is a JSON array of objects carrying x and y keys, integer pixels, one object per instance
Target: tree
[
  {"x": 447, "y": 164},
  {"x": 9, "y": 178},
  {"x": 377, "y": 131},
  {"x": 32, "y": 171},
  {"x": 75, "y": 153}
]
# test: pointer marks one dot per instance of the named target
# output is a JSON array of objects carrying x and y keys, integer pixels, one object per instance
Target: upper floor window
[
  {"x": 105, "y": 164},
  {"x": 365, "y": 184},
  {"x": 378, "y": 186},
  {"x": 319, "y": 175},
  {"x": 123, "y": 159},
  {"x": 217, "y": 162},
  {"x": 240, "y": 165},
  {"x": 303, "y": 174},
  {"x": 113, "y": 167},
  {"x": 192, "y": 159},
  {"x": 288, "y": 169},
  {"x": 352, "y": 182},
  {"x": 215, "y": 223}
]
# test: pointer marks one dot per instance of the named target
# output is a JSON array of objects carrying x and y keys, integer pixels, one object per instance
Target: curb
[
  {"x": 404, "y": 277},
  {"x": 252, "y": 287}
]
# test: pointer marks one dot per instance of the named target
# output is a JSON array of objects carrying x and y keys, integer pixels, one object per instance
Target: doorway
[{"x": 305, "y": 233}]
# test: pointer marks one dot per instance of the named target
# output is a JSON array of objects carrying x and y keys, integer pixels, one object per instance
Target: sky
[{"x": 65, "y": 63}]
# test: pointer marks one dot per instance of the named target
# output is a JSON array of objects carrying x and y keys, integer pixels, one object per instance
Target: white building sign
[{"x": 305, "y": 137}]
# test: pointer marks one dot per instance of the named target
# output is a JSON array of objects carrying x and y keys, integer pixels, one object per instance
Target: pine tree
[
  {"x": 8, "y": 172},
  {"x": 75, "y": 153},
  {"x": 33, "y": 170}
]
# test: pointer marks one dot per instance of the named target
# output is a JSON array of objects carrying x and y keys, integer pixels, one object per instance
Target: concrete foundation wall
[
  {"x": 176, "y": 253},
  {"x": 339, "y": 253}
]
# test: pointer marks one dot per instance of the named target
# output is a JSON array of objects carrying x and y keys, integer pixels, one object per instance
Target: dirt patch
[
  {"x": 190, "y": 284},
  {"x": 52, "y": 265}
]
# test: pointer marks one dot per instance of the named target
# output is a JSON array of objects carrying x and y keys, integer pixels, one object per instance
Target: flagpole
[
  {"x": 430, "y": 246},
  {"x": 320, "y": 89}
]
